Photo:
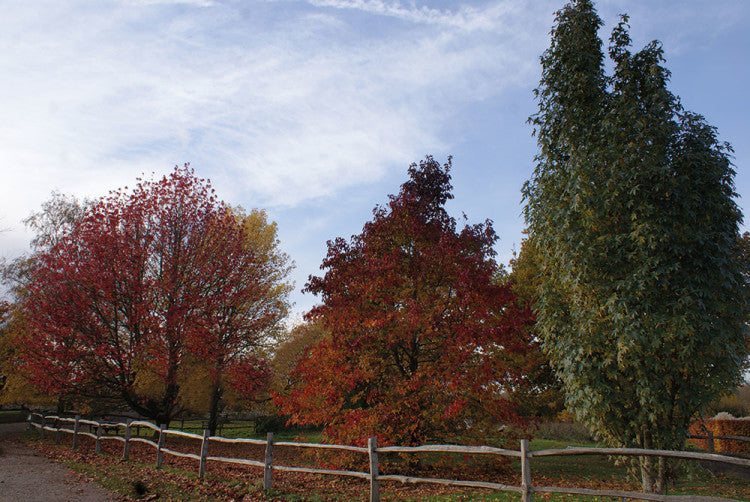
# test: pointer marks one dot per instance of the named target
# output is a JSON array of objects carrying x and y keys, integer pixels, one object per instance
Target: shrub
[
  {"x": 271, "y": 423},
  {"x": 723, "y": 424}
]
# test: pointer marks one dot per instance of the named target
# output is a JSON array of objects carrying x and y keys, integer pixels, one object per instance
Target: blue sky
[{"x": 313, "y": 109}]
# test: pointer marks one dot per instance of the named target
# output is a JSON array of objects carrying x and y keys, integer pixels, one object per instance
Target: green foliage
[
  {"x": 643, "y": 300},
  {"x": 271, "y": 423},
  {"x": 542, "y": 395}
]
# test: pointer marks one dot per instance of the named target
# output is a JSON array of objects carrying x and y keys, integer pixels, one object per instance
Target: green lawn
[{"x": 246, "y": 429}]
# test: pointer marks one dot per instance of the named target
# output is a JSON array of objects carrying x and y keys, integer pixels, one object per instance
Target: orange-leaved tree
[{"x": 418, "y": 334}]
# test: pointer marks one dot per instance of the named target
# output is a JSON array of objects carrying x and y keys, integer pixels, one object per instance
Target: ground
[{"x": 28, "y": 476}]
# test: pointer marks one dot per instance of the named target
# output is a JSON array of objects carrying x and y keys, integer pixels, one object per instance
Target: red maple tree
[
  {"x": 145, "y": 278},
  {"x": 419, "y": 338}
]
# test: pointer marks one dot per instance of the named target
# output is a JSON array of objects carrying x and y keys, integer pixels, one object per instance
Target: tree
[
  {"x": 54, "y": 220},
  {"x": 643, "y": 303},
  {"x": 293, "y": 346},
  {"x": 141, "y": 282},
  {"x": 243, "y": 324},
  {"x": 417, "y": 332},
  {"x": 56, "y": 217},
  {"x": 542, "y": 395},
  {"x": 15, "y": 388}
]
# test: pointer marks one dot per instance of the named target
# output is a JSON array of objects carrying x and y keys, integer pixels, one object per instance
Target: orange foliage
[
  {"x": 421, "y": 344},
  {"x": 722, "y": 427}
]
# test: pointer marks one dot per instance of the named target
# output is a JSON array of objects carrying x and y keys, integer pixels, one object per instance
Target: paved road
[{"x": 27, "y": 476}]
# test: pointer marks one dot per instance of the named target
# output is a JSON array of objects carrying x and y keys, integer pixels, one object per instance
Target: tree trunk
[
  {"x": 647, "y": 467},
  {"x": 60, "y": 405},
  {"x": 652, "y": 470},
  {"x": 213, "y": 418},
  {"x": 647, "y": 475}
]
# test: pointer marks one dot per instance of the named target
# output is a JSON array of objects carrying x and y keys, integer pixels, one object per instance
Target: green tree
[
  {"x": 541, "y": 396},
  {"x": 643, "y": 303}
]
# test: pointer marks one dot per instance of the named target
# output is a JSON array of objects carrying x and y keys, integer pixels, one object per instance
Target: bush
[
  {"x": 737, "y": 403},
  {"x": 722, "y": 424},
  {"x": 271, "y": 423}
]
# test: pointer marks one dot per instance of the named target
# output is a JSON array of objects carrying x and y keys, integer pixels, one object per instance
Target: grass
[
  {"x": 589, "y": 467},
  {"x": 13, "y": 416},
  {"x": 233, "y": 430}
]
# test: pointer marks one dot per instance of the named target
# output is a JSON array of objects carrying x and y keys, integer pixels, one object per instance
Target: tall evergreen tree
[{"x": 643, "y": 303}]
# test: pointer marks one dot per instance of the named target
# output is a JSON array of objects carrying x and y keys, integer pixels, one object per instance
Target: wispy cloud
[
  {"x": 465, "y": 17},
  {"x": 278, "y": 105},
  {"x": 279, "y": 102}
]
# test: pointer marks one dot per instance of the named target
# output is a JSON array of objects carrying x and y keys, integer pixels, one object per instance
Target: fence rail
[
  {"x": 711, "y": 439},
  {"x": 525, "y": 488}
]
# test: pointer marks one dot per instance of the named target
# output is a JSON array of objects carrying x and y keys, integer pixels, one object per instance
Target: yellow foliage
[
  {"x": 196, "y": 384},
  {"x": 293, "y": 346},
  {"x": 16, "y": 389},
  {"x": 147, "y": 381}
]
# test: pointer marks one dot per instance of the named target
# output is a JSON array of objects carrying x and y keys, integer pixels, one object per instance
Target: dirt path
[{"x": 26, "y": 475}]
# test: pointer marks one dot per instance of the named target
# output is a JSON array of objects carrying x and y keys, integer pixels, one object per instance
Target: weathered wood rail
[
  {"x": 52, "y": 423},
  {"x": 711, "y": 439}
]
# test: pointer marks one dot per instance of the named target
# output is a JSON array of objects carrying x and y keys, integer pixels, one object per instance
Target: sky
[{"x": 314, "y": 109}]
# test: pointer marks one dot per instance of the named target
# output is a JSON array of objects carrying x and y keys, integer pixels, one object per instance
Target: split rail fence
[
  {"x": 52, "y": 423},
  {"x": 711, "y": 439}
]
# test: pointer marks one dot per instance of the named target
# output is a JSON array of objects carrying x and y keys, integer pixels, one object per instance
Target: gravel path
[{"x": 27, "y": 476}]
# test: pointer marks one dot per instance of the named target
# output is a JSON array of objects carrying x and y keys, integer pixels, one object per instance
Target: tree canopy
[
  {"x": 57, "y": 216},
  {"x": 417, "y": 334},
  {"x": 241, "y": 326},
  {"x": 643, "y": 303},
  {"x": 145, "y": 278}
]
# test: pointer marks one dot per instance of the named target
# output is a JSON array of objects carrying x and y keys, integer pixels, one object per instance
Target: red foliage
[
  {"x": 248, "y": 375},
  {"x": 420, "y": 336},
  {"x": 145, "y": 277}
]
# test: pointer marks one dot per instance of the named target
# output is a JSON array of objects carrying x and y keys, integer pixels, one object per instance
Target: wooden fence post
[
  {"x": 126, "y": 448},
  {"x": 41, "y": 429},
  {"x": 525, "y": 472},
  {"x": 372, "y": 445},
  {"x": 76, "y": 426},
  {"x": 58, "y": 432},
  {"x": 268, "y": 467},
  {"x": 204, "y": 453},
  {"x": 710, "y": 441},
  {"x": 99, "y": 437},
  {"x": 159, "y": 454}
]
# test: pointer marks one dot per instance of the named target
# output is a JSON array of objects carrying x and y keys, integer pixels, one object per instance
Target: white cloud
[
  {"x": 277, "y": 103},
  {"x": 293, "y": 105},
  {"x": 465, "y": 17}
]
